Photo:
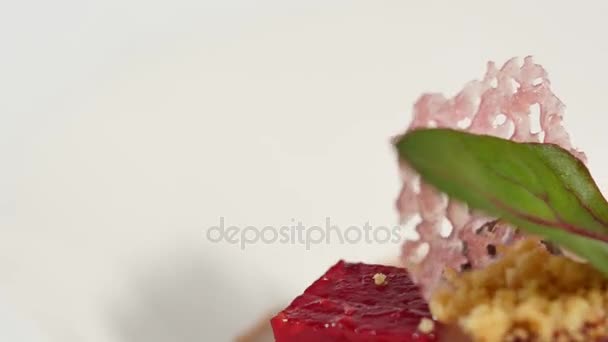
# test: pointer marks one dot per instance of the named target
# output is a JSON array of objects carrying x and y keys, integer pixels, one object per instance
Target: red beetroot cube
[{"x": 356, "y": 302}]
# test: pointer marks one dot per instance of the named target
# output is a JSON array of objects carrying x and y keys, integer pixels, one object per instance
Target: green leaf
[{"x": 540, "y": 188}]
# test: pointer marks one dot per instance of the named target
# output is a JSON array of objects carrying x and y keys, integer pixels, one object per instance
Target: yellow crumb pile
[{"x": 527, "y": 295}]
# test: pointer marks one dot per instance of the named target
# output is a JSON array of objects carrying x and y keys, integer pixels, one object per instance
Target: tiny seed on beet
[{"x": 379, "y": 279}]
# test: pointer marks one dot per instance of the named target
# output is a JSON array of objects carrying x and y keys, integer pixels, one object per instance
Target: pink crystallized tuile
[
  {"x": 347, "y": 305},
  {"x": 499, "y": 105}
]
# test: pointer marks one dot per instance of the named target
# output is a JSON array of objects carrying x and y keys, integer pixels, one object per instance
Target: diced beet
[{"x": 346, "y": 305}]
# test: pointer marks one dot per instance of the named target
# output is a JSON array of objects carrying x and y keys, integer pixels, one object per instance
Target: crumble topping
[{"x": 529, "y": 294}]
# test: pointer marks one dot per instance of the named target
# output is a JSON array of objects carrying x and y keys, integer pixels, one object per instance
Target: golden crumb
[
  {"x": 379, "y": 279},
  {"x": 527, "y": 295},
  {"x": 426, "y": 326}
]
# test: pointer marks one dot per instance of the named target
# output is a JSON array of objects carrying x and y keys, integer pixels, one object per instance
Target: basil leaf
[{"x": 540, "y": 188}]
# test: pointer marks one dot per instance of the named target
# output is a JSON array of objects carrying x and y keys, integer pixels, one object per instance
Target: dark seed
[
  {"x": 466, "y": 266},
  {"x": 491, "y": 250}
]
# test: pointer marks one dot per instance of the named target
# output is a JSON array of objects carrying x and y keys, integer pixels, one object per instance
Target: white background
[{"x": 127, "y": 128}]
